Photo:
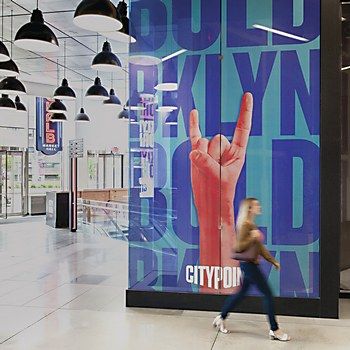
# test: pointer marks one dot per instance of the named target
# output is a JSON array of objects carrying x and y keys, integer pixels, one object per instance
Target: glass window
[{"x": 251, "y": 71}]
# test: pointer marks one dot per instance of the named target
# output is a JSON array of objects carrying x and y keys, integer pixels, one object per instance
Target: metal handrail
[
  {"x": 109, "y": 211},
  {"x": 111, "y": 205}
]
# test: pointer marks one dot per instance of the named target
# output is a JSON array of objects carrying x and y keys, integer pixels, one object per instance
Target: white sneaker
[
  {"x": 279, "y": 336},
  {"x": 220, "y": 324}
]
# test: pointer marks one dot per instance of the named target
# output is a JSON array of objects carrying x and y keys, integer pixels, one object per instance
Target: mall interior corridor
[
  {"x": 159, "y": 155},
  {"x": 66, "y": 291}
]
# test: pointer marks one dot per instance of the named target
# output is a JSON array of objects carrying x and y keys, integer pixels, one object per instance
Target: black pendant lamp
[
  {"x": 4, "y": 53},
  {"x": 6, "y": 104},
  {"x": 124, "y": 115},
  {"x": 19, "y": 105},
  {"x": 122, "y": 35},
  {"x": 12, "y": 86},
  {"x": 97, "y": 16},
  {"x": 57, "y": 107},
  {"x": 134, "y": 103},
  {"x": 106, "y": 60},
  {"x": 9, "y": 69},
  {"x": 82, "y": 116},
  {"x": 64, "y": 92},
  {"x": 58, "y": 117},
  {"x": 36, "y": 35},
  {"x": 97, "y": 91},
  {"x": 113, "y": 100}
]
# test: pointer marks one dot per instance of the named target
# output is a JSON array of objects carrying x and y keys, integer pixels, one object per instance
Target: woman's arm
[
  {"x": 268, "y": 257},
  {"x": 246, "y": 237}
]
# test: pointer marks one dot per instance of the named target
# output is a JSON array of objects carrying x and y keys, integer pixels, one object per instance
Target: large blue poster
[{"x": 226, "y": 97}]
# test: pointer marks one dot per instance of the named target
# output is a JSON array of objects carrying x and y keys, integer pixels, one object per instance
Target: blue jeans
[{"x": 252, "y": 275}]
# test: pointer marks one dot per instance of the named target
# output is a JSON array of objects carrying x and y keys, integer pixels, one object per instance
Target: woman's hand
[{"x": 277, "y": 265}]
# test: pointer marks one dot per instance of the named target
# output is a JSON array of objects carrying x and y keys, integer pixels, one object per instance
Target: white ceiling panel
[{"x": 81, "y": 45}]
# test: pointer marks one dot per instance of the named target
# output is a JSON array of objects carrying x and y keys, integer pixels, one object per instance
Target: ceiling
[{"x": 81, "y": 45}]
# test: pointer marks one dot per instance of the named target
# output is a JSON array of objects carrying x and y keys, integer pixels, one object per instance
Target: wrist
[{"x": 227, "y": 212}]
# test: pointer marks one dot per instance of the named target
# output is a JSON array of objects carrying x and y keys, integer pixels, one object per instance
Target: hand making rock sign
[{"x": 216, "y": 165}]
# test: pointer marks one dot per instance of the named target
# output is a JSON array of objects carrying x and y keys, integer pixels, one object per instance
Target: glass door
[
  {"x": 105, "y": 170},
  {"x": 113, "y": 170},
  {"x": 3, "y": 185},
  {"x": 12, "y": 183},
  {"x": 15, "y": 181}
]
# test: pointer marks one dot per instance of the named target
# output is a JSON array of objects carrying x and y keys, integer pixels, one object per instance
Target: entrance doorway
[
  {"x": 105, "y": 170},
  {"x": 13, "y": 183}
]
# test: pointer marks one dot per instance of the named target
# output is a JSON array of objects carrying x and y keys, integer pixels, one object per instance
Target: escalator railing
[{"x": 119, "y": 220}]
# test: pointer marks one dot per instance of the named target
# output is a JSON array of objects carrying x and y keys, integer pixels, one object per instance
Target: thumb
[{"x": 205, "y": 163}]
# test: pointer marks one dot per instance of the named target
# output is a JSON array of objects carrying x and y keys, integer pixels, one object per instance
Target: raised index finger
[
  {"x": 195, "y": 133},
  {"x": 244, "y": 123}
]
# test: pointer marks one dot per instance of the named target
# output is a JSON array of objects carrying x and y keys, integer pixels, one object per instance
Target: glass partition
[{"x": 224, "y": 105}]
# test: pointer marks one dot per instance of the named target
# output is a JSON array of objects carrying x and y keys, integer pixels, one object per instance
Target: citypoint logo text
[{"x": 214, "y": 276}]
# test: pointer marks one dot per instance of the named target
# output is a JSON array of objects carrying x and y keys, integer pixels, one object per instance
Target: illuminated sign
[{"x": 48, "y": 134}]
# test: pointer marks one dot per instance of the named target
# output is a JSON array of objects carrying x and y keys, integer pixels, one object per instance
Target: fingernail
[{"x": 248, "y": 99}]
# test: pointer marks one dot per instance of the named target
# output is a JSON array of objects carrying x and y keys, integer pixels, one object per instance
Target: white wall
[
  {"x": 104, "y": 131},
  {"x": 14, "y": 126}
]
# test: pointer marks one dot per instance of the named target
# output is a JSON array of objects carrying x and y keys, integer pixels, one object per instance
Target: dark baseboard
[
  {"x": 344, "y": 295},
  {"x": 209, "y": 302}
]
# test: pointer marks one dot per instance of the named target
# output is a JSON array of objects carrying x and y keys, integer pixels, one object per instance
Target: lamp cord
[
  {"x": 97, "y": 40},
  {"x": 58, "y": 73},
  {"x": 65, "y": 58},
  {"x": 2, "y": 20},
  {"x": 82, "y": 93},
  {"x": 11, "y": 31}
]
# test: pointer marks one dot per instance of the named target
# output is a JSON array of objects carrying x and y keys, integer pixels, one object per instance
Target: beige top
[{"x": 245, "y": 239}]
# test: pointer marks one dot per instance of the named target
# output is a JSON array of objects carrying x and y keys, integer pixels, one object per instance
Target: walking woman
[{"x": 249, "y": 247}]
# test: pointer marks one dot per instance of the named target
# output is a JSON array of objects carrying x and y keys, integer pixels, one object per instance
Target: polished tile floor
[{"x": 66, "y": 291}]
